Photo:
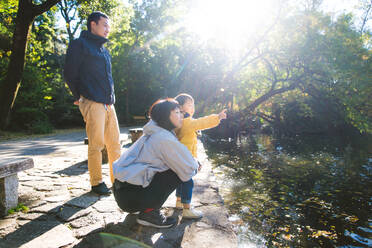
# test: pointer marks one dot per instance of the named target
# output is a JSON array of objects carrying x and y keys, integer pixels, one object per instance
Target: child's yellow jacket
[{"x": 187, "y": 133}]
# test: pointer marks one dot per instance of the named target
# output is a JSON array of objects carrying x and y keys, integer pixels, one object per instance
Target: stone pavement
[{"x": 64, "y": 213}]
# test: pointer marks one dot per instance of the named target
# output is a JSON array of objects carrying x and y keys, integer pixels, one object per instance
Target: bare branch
[
  {"x": 64, "y": 12},
  {"x": 287, "y": 70},
  {"x": 241, "y": 63},
  {"x": 45, "y": 6},
  {"x": 252, "y": 60},
  {"x": 266, "y": 117},
  {"x": 273, "y": 73},
  {"x": 366, "y": 17},
  {"x": 270, "y": 94},
  {"x": 77, "y": 27}
]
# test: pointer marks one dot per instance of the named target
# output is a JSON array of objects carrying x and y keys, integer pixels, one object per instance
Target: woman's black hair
[{"x": 160, "y": 112}]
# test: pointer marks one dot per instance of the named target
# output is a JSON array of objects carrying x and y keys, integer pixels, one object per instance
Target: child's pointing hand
[{"x": 222, "y": 115}]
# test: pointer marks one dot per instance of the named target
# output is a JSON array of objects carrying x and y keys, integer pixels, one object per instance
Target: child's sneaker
[
  {"x": 190, "y": 213},
  {"x": 179, "y": 205}
]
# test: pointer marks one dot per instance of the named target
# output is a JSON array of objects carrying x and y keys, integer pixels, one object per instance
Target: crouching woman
[{"x": 152, "y": 168}]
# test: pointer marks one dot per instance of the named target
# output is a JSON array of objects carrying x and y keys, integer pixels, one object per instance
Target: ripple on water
[
  {"x": 358, "y": 238},
  {"x": 293, "y": 196}
]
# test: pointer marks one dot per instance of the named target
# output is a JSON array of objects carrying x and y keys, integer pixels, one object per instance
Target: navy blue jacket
[{"x": 88, "y": 69}]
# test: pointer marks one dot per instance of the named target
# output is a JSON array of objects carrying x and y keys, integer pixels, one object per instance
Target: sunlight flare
[{"x": 231, "y": 22}]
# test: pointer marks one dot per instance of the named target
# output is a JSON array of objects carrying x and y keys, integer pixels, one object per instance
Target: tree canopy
[{"x": 300, "y": 66}]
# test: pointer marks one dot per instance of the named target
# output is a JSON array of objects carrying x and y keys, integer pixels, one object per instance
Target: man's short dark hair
[{"x": 94, "y": 17}]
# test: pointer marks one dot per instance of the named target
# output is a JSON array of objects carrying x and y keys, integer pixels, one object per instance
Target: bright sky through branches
[
  {"x": 229, "y": 22},
  {"x": 232, "y": 22}
]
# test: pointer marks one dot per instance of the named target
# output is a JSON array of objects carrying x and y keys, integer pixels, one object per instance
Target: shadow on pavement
[
  {"x": 80, "y": 167},
  {"x": 47, "y": 221},
  {"x": 129, "y": 229},
  {"x": 41, "y": 145},
  {"x": 74, "y": 170}
]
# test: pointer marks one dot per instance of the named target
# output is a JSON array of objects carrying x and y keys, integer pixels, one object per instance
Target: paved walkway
[{"x": 64, "y": 213}]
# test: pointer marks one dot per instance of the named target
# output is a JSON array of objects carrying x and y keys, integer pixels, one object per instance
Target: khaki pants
[{"x": 102, "y": 129}]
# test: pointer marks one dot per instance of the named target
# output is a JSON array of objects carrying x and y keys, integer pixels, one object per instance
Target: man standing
[{"x": 88, "y": 74}]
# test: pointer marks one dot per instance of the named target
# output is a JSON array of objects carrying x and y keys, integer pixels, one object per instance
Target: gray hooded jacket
[{"x": 156, "y": 151}]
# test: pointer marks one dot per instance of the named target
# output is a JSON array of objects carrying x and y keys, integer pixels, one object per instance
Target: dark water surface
[{"x": 297, "y": 192}]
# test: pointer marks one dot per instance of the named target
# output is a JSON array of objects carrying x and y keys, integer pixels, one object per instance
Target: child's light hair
[{"x": 182, "y": 98}]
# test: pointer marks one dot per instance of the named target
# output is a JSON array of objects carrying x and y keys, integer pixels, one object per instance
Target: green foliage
[
  {"x": 144, "y": 57},
  {"x": 32, "y": 120},
  {"x": 326, "y": 60},
  {"x": 111, "y": 240},
  {"x": 8, "y": 11},
  {"x": 34, "y": 100},
  {"x": 323, "y": 65},
  {"x": 40, "y": 127},
  {"x": 18, "y": 208},
  {"x": 86, "y": 7},
  {"x": 76, "y": 12},
  {"x": 43, "y": 100}
]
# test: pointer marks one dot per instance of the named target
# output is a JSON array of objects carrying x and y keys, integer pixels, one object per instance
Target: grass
[
  {"x": 18, "y": 208},
  {"x": 7, "y": 135}
]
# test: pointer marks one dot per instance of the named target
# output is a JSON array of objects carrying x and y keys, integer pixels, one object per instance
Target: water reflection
[{"x": 298, "y": 192}]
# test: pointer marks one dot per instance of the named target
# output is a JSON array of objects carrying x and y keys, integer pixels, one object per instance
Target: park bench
[
  {"x": 139, "y": 119},
  {"x": 9, "y": 181},
  {"x": 104, "y": 150},
  {"x": 135, "y": 133}
]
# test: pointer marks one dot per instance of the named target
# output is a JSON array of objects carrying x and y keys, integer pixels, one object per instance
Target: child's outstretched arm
[{"x": 206, "y": 122}]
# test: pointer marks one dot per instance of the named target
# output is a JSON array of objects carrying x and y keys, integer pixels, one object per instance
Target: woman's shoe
[
  {"x": 190, "y": 213},
  {"x": 155, "y": 219}
]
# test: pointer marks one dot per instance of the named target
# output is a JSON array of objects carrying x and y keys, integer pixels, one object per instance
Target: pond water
[{"x": 296, "y": 192}]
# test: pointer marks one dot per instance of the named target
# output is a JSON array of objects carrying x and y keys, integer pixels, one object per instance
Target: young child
[{"x": 187, "y": 135}]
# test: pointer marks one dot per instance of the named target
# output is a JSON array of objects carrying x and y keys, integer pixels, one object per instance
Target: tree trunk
[
  {"x": 12, "y": 81},
  {"x": 128, "y": 92},
  {"x": 127, "y": 115},
  {"x": 26, "y": 13}
]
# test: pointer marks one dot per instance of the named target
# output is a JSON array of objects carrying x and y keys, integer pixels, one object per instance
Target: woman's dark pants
[{"x": 132, "y": 198}]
